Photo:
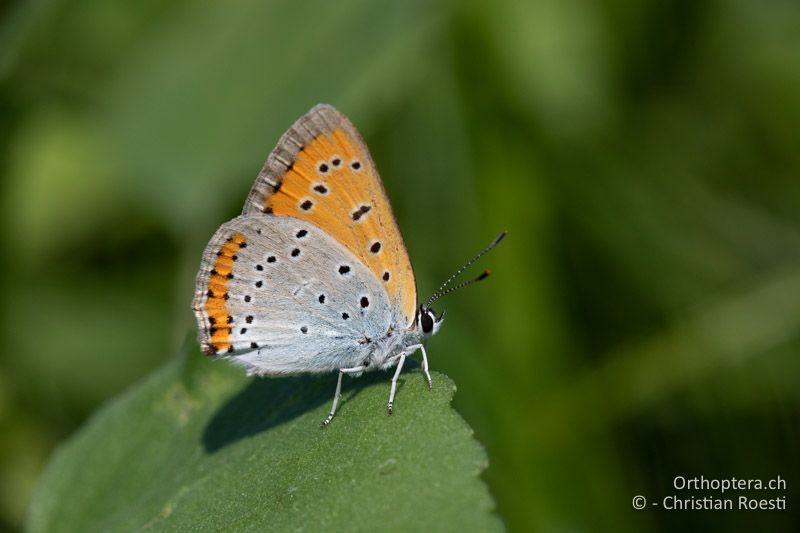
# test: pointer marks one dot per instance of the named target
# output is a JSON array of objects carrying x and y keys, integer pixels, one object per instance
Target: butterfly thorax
[
  {"x": 386, "y": 349},
  {"x": 397, "y": 339}
]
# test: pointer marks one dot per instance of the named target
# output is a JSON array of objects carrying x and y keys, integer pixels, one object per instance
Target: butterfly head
[{"x": 427, "y": 320}]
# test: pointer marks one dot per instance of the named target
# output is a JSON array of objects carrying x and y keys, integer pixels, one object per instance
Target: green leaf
[{"x": 199, "y": 446}]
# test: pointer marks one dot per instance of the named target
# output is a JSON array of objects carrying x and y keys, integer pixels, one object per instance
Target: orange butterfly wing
[{"x": 322, "y": 172}]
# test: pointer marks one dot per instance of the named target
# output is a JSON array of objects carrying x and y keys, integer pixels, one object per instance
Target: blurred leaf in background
[{"x": 644, "y": 319}]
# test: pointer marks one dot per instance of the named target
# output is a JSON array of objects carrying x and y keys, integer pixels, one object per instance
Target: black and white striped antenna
[{"x": 441, "y": 291}]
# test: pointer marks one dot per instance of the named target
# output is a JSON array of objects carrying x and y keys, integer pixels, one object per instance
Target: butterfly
[{"x": 314, "y": 276}]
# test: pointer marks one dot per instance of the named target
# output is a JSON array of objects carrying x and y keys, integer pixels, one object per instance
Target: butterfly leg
[
  {"x": 402, "y": 360},
  {"x": 425, "y": 366},
  {"x": 338, "y": 395}
]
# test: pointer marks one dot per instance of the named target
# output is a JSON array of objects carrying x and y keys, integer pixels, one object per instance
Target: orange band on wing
[
  {"x": 218, "y": 315},
  {"x": 321, "y": 172},
  {"x": 333, "y": 185}
]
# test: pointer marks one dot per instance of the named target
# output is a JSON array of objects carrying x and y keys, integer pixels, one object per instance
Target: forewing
[{"x": 322, "y": 172}]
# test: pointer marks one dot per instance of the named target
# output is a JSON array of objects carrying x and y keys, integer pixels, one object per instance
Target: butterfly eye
[{"x": 427, "y": 322}]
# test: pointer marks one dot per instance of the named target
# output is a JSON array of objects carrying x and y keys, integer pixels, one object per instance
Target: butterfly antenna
[{"x": 441, "y": 290}]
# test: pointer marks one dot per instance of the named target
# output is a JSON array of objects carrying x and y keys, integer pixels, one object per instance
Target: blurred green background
[{"x": 644, "y": 319}]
